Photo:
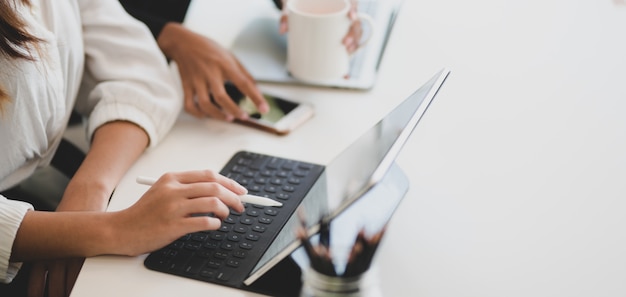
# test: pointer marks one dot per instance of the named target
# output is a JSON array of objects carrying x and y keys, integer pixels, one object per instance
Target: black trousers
[{"x": 19, "y": 286}]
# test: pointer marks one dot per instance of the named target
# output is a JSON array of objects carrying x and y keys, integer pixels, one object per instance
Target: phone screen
[{"x": 279, "y": 107}]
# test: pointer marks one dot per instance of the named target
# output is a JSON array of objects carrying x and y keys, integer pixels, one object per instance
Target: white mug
[{"x": 315, "y": 52}]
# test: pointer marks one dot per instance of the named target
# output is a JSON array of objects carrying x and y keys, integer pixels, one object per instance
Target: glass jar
[{"x": 316, "y": 284}]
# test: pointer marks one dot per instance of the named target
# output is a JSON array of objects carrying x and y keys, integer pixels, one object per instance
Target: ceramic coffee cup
[{"x": 315, "y": 52}]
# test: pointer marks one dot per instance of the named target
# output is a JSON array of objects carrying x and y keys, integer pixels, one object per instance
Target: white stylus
[{"x": 247, "y": 198}]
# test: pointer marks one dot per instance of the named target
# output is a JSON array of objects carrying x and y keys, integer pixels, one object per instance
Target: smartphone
[{"x": 284, "y": 115}]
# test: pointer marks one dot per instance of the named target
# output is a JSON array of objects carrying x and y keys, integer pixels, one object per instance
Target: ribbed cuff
[{"x": 12, "y": 213}]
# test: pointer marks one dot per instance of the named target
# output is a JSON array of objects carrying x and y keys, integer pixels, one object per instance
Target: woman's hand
[
  {"x": 204, "y": 67},
  {"x": 177, "y": 204}
]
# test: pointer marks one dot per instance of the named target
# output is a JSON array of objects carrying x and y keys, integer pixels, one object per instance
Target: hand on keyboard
[
  {"x": 227, "y": 255},
  {"x": 167, "y": 210}
]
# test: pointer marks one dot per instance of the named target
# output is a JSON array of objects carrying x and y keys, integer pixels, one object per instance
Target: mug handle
[{"x": 365, "y": 18}]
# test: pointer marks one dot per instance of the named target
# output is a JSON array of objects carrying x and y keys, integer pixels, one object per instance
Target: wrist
[
  {"x": 115, "y": 234},
  {"x": 105, "y": 239},
  {"x": 167, "y": 39},
  {"x": 121, "y": 234}
]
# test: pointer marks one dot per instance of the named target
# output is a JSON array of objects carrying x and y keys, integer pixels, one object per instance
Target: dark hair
[{"x": 15, "y": 41}]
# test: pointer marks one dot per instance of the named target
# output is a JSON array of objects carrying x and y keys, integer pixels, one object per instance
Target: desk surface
[{"x": 517, "y": 170}]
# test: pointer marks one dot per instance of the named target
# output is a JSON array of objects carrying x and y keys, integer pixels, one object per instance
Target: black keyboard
[{"x": 227, "y": 256}]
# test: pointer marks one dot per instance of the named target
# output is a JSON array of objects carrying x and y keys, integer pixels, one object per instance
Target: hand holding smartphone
[{"x": 283, "y": 117}]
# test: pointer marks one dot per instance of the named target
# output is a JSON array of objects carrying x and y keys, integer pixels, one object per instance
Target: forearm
[
  {"x": 115, "y": 147},
  {"x": 48, "y": 235}
]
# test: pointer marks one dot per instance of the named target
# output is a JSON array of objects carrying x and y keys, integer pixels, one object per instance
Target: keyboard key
[
  {"x": 257, "y": 163},
  {"x": 257, "y": 228},
  {"x": 194, "y": 266},
  {"x": 255, "y": 188},
  {"x": 253, "y": 212},
  {"x": 239, "y": 169},
  {"x": 227, "y": 246},
  {"x": 240, "y": 229},
  {"x": 224, "y": 275},
  {"x": 199, "y": 237},
  {"x": 242, "y": 180},
  {"x": 282, "y": 196},
  {"x": 265, "y": 220},
  {"x": 232, "y": 263},
  {"x": 274, "y": 163},
  {"x": 210, "y": 245},
  {"x": 271, "y": 211},
  {"x": 220, "y": 255},
  {"x": 192, "y": 246},
  {"x": 244, "y": 162},
  {"x": 293, "y": 181},
  {"x": 177, "y": 263},
  {"x": 245, "y": 245},
  {"x": 214, "y": 264},
  {"x": 208, "y": 273},
  {"x": 288, "y": 165},
  {"x": 246, "y": 221}
]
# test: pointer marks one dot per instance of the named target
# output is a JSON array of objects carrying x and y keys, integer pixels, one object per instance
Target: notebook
[
  {"x": 249, "y": 244},
  {"x": 263, "y": 51}
]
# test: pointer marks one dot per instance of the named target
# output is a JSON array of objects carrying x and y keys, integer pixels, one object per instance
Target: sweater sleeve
[
  {"x": 126, "y": 76},
  {"x": 12, "y": 213}
]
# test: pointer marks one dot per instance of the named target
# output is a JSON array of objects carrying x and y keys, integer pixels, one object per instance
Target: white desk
[{"x": 517, "y": 171}]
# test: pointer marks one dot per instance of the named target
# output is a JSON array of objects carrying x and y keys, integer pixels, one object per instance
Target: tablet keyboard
[{"x": 227, "y": 256}]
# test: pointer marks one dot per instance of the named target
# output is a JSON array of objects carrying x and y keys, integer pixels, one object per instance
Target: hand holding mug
[
  {"x": 322, "y": 36},
  {"x": 353, "y": 36}
]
